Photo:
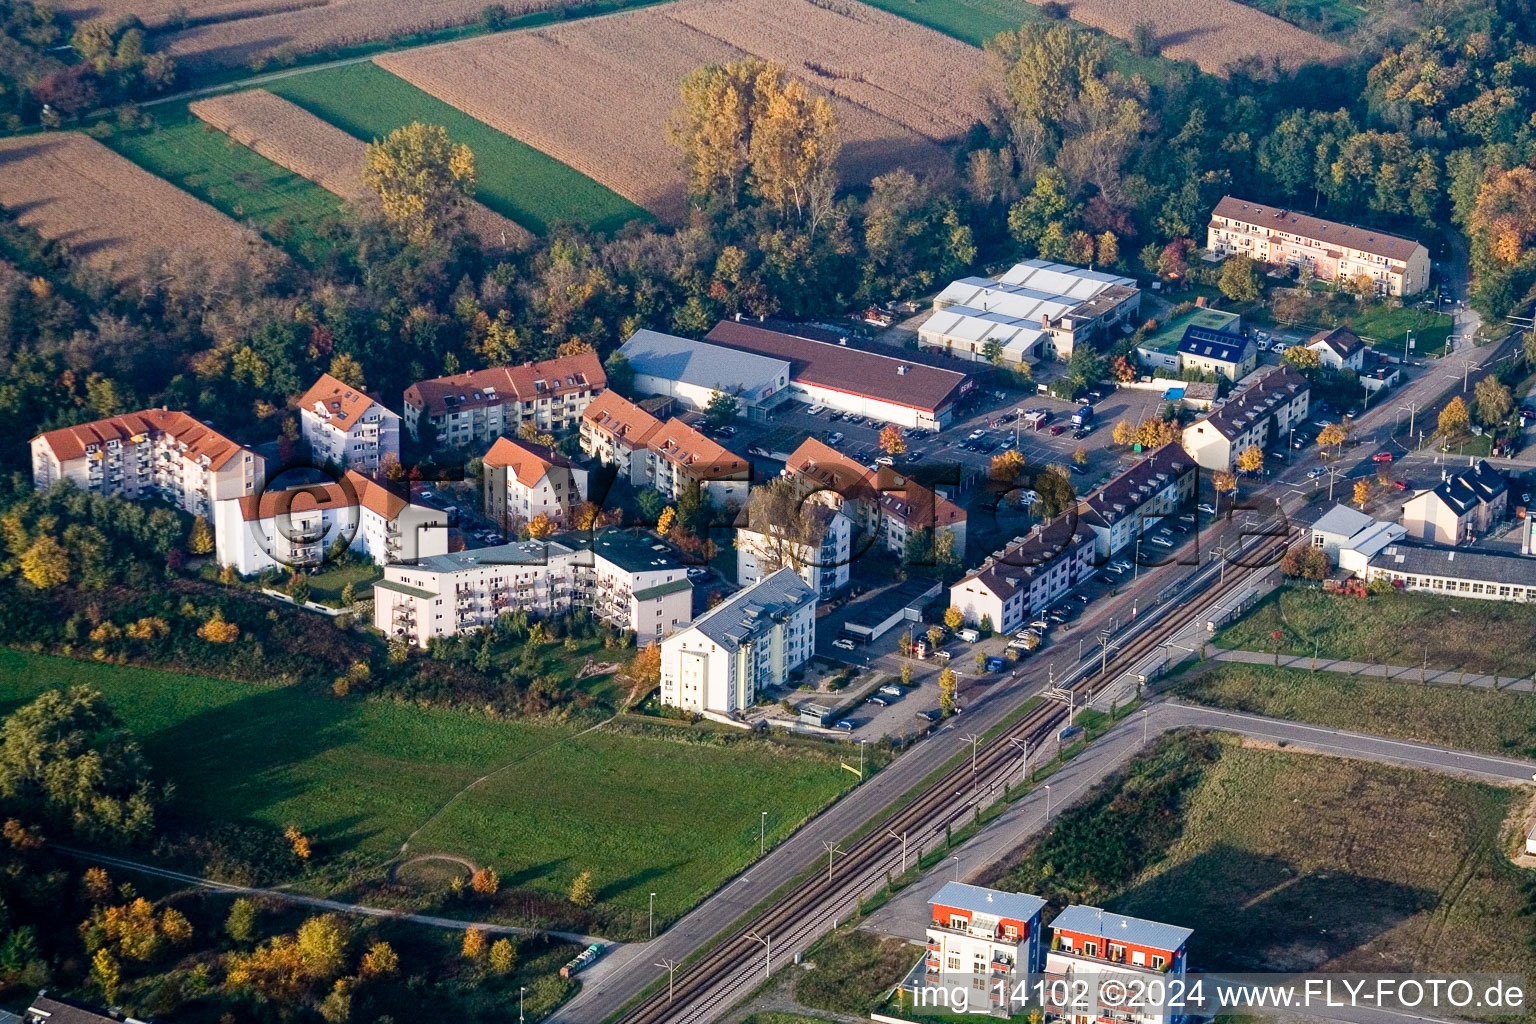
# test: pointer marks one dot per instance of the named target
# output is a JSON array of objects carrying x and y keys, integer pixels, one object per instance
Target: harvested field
[
  {"x": 253, "y": 40},
  {"x": 292, "y": 137},
  {"x": 1211, "y": 33},
  {"x": 112, "y": 214},
  {"x": 521, "y": 83},
  {"x": 176, "y": 13}
]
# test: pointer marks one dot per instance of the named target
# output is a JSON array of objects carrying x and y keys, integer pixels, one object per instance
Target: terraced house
[
  {"x": 478, "y": 406},
  {"x": 1013, "y": 585},
  {"x": 1162, "y": 484},
  {"x": 150, "y": 454},
  {"x": 346, "y": 427},
  {"x": 665, "y": 456},
  {"x": 1262, "y": 413}
]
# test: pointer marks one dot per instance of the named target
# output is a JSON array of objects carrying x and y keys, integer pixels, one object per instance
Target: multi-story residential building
[
  {"x": 1260, "y": 414},
  {"x": 522, "y": 481},
  {"x": 693, "y": 372},
  {"x": 631, "y": 581},
  {"x": 297, "y": 527},
  {"x": 1162, "y": 484},
  {"x": 47, "y": 1010},
  {"x": 477, "y": 406},
  {"x": 1485, "y": 575},
  {"x": 1339, "y": 349},
  {"x": 1159, "y": 349},
  {"x": 985, "y": 941},
  {"x": 154, "y": 453},
  {"x": 1324, "y": 248},
  {"x": 741, "y": 647},
  {"x": 1013, "y": 585},
  {"x": 665, "y": 456},
  {"x": 822, "y": 563},
  {"x": 1223, "y": 352},
  {"x": 1108, "y": 951},
  {"x": 1036, "y": 309},
  {"x": 1463, "y": 505},
  {"x": 348, "y": 428}
]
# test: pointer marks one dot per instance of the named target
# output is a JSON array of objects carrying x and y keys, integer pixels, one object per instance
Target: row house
[
  {"x": 150, "y": 454},
  {"x": 1109, "y": 952},
  {"x": 1014, "y": 585},
  {"x": 741, "y": 648},
  {"x": 1326, "y": 249},
  {"x": 1162, "y": 484},
  {"x": 630, "y": 581},
  {"x": 1463, "y": 505},
  {"x": 477, "y": 406},
  {"x": 347, "y": 428},
  {"x": 985, "y": 941},
  {"x": 664, "y": 456},
  {"x": 297, "y": 527},
  {"x": 821, "y": 560},
  {"x": 523, "y": 480},
  {"x": 1259, "y": 415}
]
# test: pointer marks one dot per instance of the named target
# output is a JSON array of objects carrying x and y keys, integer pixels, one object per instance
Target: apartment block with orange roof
[
  {"x": 523, "y": 481},
  {"x": 153, "y": 453},
  {"x": 347, "y": 427},
  {"x": 478, "y": 406},
  {"x": 666, "y": 456},
  {"x": 296, "y": 527}
]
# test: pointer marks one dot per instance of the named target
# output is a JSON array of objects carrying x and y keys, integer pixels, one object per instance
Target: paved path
[{"x": 1432, "y": 677}]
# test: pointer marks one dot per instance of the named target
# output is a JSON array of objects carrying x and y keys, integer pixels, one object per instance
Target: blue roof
[
  {"x": 1016, "y": 906},
  {"x": 1173, "y": 394},
  {"x": 1223, "y": 346},
  {"x": 1119, "y": 928}
]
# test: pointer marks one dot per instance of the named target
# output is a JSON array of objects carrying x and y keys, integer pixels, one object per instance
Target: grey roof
[
  {"x": 1018, "y": 563},
  {"x": 59, "y": 1011},
  {"x": 736, "y": 619},
  {"x": 700, "y": 363},
  {"x": 1256, "y": 401},
  {"x": 1016, "y": 906},
  {"x": 1373, "y": 538},
  {"x": 1120, "y": 928},
  {"x": 1222, "y": 346},
  {"x": 630, "y": 550},
  {"x": 523, "y": 552},
  {"x": 663, "y": 589},
  {"x": 1133, "y": 488},
  {"x": 1459, "y": 563},
  {"x": 1474, "y": 485},
  {"x": 1342, "y": 520}
]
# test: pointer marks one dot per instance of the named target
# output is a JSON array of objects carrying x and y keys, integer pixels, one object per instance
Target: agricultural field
[
  {"x": 892, "y": 107},
  {"x": 361, "y": 776},
  {"x": 292, "y": 137},
  {"x": 1403, "y": 629},
  {"x": 161, "y": 14},
  {"x": 512, "y": 178},
  {"x": 112, "y": 214},
  {"x": 1292, "y": 862}
]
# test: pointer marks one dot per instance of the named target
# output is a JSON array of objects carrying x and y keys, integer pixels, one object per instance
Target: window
[{"x": 1158, "y": 962}]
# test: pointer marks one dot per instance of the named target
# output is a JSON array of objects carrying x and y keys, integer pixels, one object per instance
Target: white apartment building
[
  {"x": 297, "y": 527},
  {"x": 1013, "y": 585},
  {"x": 1111, "y": 952},
  {"x": 1325, "y": 248},
  {"x": 629, "y": 580},
  {"x": 523, "y": 481},
  {"x": 347, "y": 428},
  {"x": 1260, "y": 414},
  {"x": 1463, "y": 505},
  {"x": 153, "y": 453},
  {"x": 741, "y": 647},
  {"x": 477, "y": 406},
  {"x": 1162, "y": 484},
  {"x": 664, "y": 456},
  {"x": 823, "y": 565},
  {"x": 985, "y": 941}
]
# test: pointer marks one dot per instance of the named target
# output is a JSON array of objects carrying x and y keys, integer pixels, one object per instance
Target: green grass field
[
  {"x": 326, "y": 587},
  {"x": 642, "y": 814},
  {"x": 515, "y": 179},
  {"x": 284, "y": 207},
  {"x": 1389, "y": 329},
  {"x": 1391, "y": 629},
  {"x": 1465, "y": 717}
]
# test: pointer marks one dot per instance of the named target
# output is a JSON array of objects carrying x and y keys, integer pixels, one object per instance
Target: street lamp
[
  {"x": 520, "y": 990},
  {"x": 651, "y": 931},
  {"x": 762, "y": 835},
  {"x": 957, "y": 867},
  {"x": 1047, "y": 801}
]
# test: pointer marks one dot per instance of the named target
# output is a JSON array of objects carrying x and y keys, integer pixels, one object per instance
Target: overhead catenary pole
[
  {"x": 767, "y": 941},
  {"x": 832, "y": 850},
  {"x": 903, "y": 840},
  {"x": 670, "y": 966}
]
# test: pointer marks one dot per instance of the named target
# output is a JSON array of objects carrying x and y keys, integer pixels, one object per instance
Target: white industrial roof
[
  {"x": 700, "y": 363},
  {"x": 1118, "y": 927},
  {"x": 979, "y": 308}
]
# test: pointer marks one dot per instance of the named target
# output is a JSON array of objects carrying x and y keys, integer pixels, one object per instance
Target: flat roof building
[
  {"x": 693, "y": 371},
  {"x": 1457, "y": 572}
]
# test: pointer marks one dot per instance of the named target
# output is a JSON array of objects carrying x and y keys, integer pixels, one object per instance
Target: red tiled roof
[
  {"x": 700, "y": 457},
  {"x": 477, "y": 388},
  {"x": 614, "y": 414},
  {"x": 69, "y": 443},
  {"x": 352, "y": 489},
  {"x": 1278, "y": 218},
  {"x": 831, "y": 470},
  {"x": 528, "y": 462},
  {"x": 343, "y": 404},
  {"x": 900, "y": 498}
]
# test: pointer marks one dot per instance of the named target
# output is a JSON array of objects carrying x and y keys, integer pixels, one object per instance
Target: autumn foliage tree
[
  {"x": 1306, "y": 562},
  {"x": 200, "y": 540},
  {"x": 1494, "y": 401},
  {"x": 421, "y": 176},
  {"x": 45, "y": 564},
  {"x": 583, "y": 893},
  {"x": 947, "y": 691},
  {"x": 646, "y": 668},
  {"x": 1454, "y": 418},
  {"x": 485, "y": 881},
  {"x": 1332, "y": 436},
  {"x": 891, "y": 441},
  {"x": 1251, "y": 459},
  {"x": 1006, "y": 466}
]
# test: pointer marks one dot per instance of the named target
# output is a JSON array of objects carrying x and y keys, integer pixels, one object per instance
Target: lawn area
[
  {"x": 284, "y": 207},
  {"x": 643, "y": 814},
  {"x": 1391, "y": 629},
  {"x": 1464, "y": 717},
  {"x": 1288, "y": 861},
  {"x": 326, "y": 587},
  {"x": 1388, "y": 328},
  {"x": 976, "y": 21},
  {"x": 513, "y": 179}
]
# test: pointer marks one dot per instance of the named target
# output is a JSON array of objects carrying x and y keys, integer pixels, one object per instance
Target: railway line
[{"x": 696, "y": 992}]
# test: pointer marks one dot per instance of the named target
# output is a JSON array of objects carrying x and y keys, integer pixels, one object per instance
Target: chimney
[
  {"x": 1045, "y": 322},
  {"x": 843, "y": 340},
  {"x": 1199, "y": 301},
  {"x": 738, "y": 318}
]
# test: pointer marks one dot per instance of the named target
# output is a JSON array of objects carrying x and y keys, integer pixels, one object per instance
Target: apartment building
[
  {"x": 629, "y": 580},
  {"x": 1014, "y": 585},
  {"x": 741, "y": 647},
  {"x": 1260, "y": 414},
  {"x": 477, "y": 406},
  {"x": 1463, "y": 505},
  {"x": 296, "y": 528},
  {"x": 823, "y": 564},
  {"x": 1223, "y": 352},
  {"x": 664, "y": 456},
  {"x": 153, "y": 453},
  {"x": 522, "y": 481},
  {"x": 986, "y": 941},
  {"x": 1162, "y": 484},
  {"x": 348, "y": 428},
  {"x": 1109, "y": 953},
  {"x": 1339, "y": 349},
  {"x": 1326, "y": 249},
  {"x": 1484, "y": 575}
]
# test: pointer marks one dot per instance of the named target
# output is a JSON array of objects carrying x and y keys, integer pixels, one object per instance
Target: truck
[
  {"x": 587, "y": 958},
  {"x": 1083, "y": 416},
  {"x": 970, "y": 636}
]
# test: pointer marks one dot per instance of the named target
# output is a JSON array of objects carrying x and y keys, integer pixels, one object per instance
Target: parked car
[
  {"x": 845, "y": 725},
  {"x": 835, "y": 437},
  {"x": 1315, "y": 472},
  {"x": 1040, "y": 624},
  {"x": 1401, "y": 485},
  {"x": 878, "y": 702},
  {"x": 843, "y": 644},
  {"x": 1080, "y": 433},
  {"x": 931, "y": 715},
  {"x": 970, "y": 636},
  {"x": 1080, "y": 598},
  {"x": 697, "y": 572},
  {"x": 892, "y": 690},
  {"x": 1058, "y": 429},
  {"x": 1382, "y": 457},
  {"x": 726, "y": 431},
  {"x": 1078, "y": 469},
  {"x": 1162, "y": 542}
]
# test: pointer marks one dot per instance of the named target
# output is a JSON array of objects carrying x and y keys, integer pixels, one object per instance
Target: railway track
[{"x": 731, "y": 969}]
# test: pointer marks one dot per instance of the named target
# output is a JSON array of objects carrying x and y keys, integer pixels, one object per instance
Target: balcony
[{"x": 975, "y": 933}]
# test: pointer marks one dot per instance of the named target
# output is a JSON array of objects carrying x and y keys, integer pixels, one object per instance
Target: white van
[{"x": 970, "y": 636}]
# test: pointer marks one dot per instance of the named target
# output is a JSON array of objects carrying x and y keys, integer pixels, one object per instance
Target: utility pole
[
  {"x": 767, "y": 941},
  {"x": 762, "y": 832},
  {"x": 669, "y": 966},
  {"x": 832, "y": 849},
  {"x": 651, "y": 931},
  {"x": 903, "y": 839},
  {"x": 1024, "y": 752},
  {"x": 974, "y": 742}
]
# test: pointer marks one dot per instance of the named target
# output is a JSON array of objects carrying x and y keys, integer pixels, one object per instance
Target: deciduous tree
[
  {"x": 1240, "y": 278},
  {"x": 421, "y": 176},
  {"x": 891, "y": 441},
  {"x": 583, "y": 893},
  {"x": 503, "y": 957},
  {"x": 200, "y": 540},
  {"x": 947, "y": 692},
  {"x": 1251, "y": 459},
  {"x": 1453, "y": 418},
  {"x": 1494, "y": 401},
  {"x": 45, "y": 564}
]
